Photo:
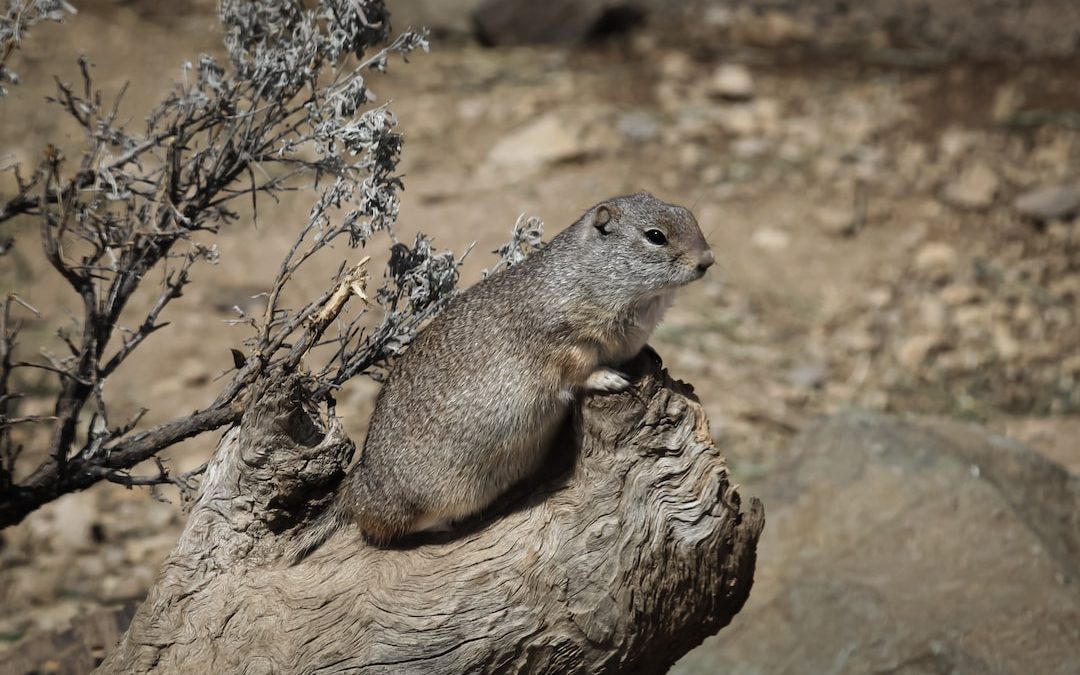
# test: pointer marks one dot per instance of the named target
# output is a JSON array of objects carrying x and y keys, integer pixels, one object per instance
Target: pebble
[
  {"x": 955, "y": 142},
  {"x": 959, "y": 294},
  {"x": 691, "y": 156},
  {"x": 879, "y": 297},
  {"x": 638, "y": 126},
  {"x": 808, "y": 375},
  {"x": 1006, "y": 345},
  {"x": 676, "y": 66},
  {"x": 975, "y": 189},
  {"x": 933, "y": 313},
  {"x": 936, "y": 260},
  {"x": 73, "y": 518},
  {"x": 1049, "y": 203},
  {"x": 914, "y": 351},
  {"x": 544, "y": 141},
  {"x": 770, "y": 239},
  {"x": 834, "y": 221},
  {"x": 749, "y": 148},
  {"x": 732, "y": 82},
  {"x": 739, "y": 120},
  {"x": 1008, "y": 100}
]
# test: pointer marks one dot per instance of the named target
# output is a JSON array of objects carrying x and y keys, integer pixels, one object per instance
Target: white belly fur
[{"x": 648, "y": 316}]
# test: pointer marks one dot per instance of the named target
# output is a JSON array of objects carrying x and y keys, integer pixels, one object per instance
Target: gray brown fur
[{"x": 470, "y": 407}]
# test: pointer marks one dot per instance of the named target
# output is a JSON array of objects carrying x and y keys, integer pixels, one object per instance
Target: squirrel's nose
[{"x": 706, "y": 260}]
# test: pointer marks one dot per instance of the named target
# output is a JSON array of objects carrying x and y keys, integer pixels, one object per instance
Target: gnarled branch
[{"x": 629, "y": 552}]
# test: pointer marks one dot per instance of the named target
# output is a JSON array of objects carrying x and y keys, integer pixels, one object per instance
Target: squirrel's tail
[{"x": 317, "y": 532}]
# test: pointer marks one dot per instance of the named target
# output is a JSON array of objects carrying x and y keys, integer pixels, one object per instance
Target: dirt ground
[{"x": 871, "y": 250}]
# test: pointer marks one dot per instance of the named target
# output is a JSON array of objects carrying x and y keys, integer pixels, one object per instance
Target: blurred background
[{"x": 890, "y": 187}]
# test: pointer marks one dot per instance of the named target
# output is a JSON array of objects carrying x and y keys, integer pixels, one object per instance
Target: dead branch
[
  {"x": 293, "y": 89},
  {"x": 630, "y": 551}
]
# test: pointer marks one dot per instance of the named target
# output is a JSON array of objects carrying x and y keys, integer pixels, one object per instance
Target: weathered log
[{"x": 629, "y": 553}]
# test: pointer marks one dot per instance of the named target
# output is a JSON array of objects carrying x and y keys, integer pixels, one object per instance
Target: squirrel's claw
[{"x": 606, "y": 380}]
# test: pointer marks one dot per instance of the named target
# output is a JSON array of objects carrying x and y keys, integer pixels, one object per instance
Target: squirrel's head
[{"x": 648, "y": 245}]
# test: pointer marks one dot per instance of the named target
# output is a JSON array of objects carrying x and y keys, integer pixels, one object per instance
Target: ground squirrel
[{"x": 470, "y": 407}]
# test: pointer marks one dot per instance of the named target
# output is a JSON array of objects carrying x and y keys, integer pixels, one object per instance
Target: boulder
[
  {"x": 441, "y": 17},
  {"x": 908, "y": 546},
  {"x": 526, "y": 22},
  {"x": 551, "y": 139}
]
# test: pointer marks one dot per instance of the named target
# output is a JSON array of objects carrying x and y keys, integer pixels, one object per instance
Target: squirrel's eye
[{"x": 656, "y": 237}]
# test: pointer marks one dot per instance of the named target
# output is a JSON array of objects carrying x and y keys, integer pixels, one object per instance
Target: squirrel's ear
[{"x": 602, "y": 218}]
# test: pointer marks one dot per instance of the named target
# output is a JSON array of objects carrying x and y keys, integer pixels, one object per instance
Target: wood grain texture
[{"x": 625, "y": 555}]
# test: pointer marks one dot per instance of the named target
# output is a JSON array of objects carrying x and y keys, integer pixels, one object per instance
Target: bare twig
[{"x": 133, "y": 200}]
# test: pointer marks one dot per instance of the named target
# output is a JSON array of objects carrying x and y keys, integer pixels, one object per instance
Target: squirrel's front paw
[{"x": 607, "y": 380}]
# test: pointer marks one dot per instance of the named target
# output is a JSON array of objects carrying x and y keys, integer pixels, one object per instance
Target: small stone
[
  {"x": 1061, "y": 233},
  {"x": 1025, "y": 312},
  {"x": 1049, "y": 203},
  {"x": 1071, "y": 365},
  {"x": 749, "y": 148},
  {"x": 644, "y": 43},
  {"x": 731, "y": 81},
  {"x": 712, "y": 174},
  {"x": 74, "y": 516},
  {"x": 808, "y": 375},
  {"x": 858, "y": 340},
  {"x": 770, "y": 239},
  {"x": 693, "y": 122},
  {"x": 676, "y": 66},
  {"x": 911, "y": 163},
  {"x": 1006, "y": 345},
  {"x": 773, "y": 28},
  {"x": 875, "y": 400},
  {"x": 1008, "y": 100},
  {"x": 691, "y": 156},
  {"x": 54, "y": 617},
  {"x": 936, "y": 261},
  {"x": 739, "y": 120},
  {"x": 638, "y": 126},
  {"x": 718, "y": 17},
  {"x": 975, "y": 189},
  {"x": 472, "y": 109},
  {"x": 933, "y": 313},
  {"x": 914, "y": 352},
  {"x": 955, "y": 142},
  {"x": 834, "y": 221},
  {"x": 192, "y": 372},
  {"x": 971, "y": 319},
  {"x": 768, "y": 113},
  {"x": 545, "y": 141},
  {"x": 954, "y": 295}
]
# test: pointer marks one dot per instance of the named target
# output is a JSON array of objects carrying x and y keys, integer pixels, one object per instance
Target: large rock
[
  {"x": 910, "y": 548},
  {"x": 528, "y": 22},
  {"x": 983, "y": 29},
  {"x": 551, "y": 139},
  {"x": 439, "y": 16}
]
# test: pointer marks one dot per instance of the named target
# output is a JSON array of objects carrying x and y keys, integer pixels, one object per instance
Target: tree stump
[{"x": 626, "y": 554}]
